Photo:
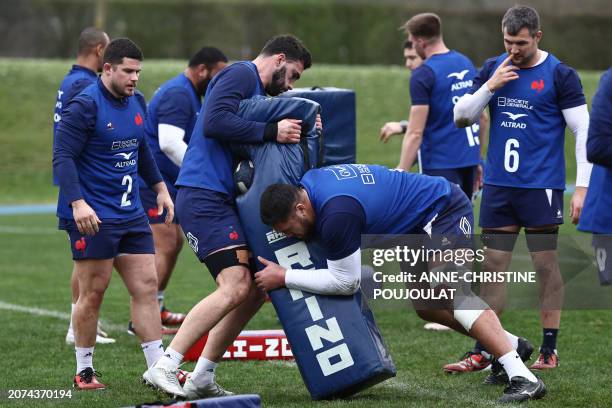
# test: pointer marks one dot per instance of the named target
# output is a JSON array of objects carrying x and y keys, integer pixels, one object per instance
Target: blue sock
[{"x": 549, "y": 341}]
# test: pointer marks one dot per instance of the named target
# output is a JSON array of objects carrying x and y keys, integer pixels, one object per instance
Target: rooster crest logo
[{"x": 538, "y": 86}]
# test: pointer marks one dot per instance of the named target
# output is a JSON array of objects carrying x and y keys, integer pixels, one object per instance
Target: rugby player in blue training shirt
[
  {"x": 171, "y": 116},
  {"x": 335, "y": 205},
  {"x": 597, "y": 213},
  {"x": 435, "y": 87},
  {"x": 206, "y": 208},
  {"x": 412, "y": 62},
  {"x": 91, "y": 45},
  {"x": 98, "y": 155},
  {"x": 532, "y": 97}
]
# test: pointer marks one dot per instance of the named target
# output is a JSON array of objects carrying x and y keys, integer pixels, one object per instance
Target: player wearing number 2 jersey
[
  {"x": 98, "y": 152},
  {"x": 532, "y": 97},
  {"x": 435, "y": 87}
]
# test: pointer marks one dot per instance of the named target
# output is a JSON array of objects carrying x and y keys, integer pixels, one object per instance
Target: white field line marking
[
  {"x": 418, "y": 390},
  {"x": 9, "y": 229},
  {"x": 53, "y": 313}
]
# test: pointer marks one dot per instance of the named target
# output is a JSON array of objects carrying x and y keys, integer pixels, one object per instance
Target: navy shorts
[
  {"x": 209, "y": 220},
  {"x": 525, "y": 207},
  {"x": 452, "y": 227},
  {"x": 602, "y": 244},
  {"x": 464, "y": 177},
  {"x": 114, "y": 238},
  {"x": 148, "y": 198}
]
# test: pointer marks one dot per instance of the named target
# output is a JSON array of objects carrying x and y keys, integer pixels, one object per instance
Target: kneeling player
[{"x": 336, "y": 205}]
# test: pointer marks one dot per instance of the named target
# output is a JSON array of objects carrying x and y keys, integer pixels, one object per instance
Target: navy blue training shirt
[
  {"x": 175, "y": 103},
  {"x": 596, "y": 215},
  {"x": 208, "y": 161},
  {"x": 99, "y": 151},
  {"x": 77, "y": 79},
  {"x": 439, "y": 83},
  {"x": 527, "y": 126},
  {"x": 354, "y": 199}
]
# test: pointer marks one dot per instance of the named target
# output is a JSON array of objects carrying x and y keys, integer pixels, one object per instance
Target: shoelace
[
  {"x": 513, "y": 387},
  {"x": 171, "y": 376},
  {"x": 88, "y": 375},
  {"x": 546, "y": 357},
  {"x": 218, "y": 390}
]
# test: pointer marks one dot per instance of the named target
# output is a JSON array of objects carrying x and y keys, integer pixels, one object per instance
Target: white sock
[
  {"x": 70, "y": 329},
  {"x": 204, "y": 371},
  {"x": 170, "y": 360},
  {"x": 515, "y": 367},
  {"x": 84, "y": 358},
  {"x": 513, "y": 339},
  {"x": 153, "y": 351}
]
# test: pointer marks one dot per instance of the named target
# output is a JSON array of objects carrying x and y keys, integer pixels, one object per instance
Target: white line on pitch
[
  {"x": 52, "y": 313},
  {"x": 8, "y": 229}
]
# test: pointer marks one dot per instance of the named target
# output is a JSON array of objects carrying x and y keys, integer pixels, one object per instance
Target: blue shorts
[
  {"x": 209, "y": 220},
  {"x": 148, "y": 198},
  {"x": 115, "y": 237},
  {"x": 452, "y": 227},
  {"x": 602, "y": 244},
  {"x": 525, "y": 207},
  {"x": 464, "y": 177}
]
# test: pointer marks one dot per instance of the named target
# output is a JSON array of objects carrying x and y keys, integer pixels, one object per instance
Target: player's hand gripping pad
[
  {"x": 335, "y": 341},
  {"x": 338, "y": 112}
]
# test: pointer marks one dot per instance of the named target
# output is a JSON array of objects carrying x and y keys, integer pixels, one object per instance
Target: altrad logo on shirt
[{"x": 513, "y": 124}]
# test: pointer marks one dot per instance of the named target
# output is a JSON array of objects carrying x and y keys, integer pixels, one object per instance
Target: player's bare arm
[
  {"x": 164, "y": 202},
  {"x": 413, "y": 136},
  {"x": 85, "y": 217},
  {"x": 271, "y": 277},
  {"x": 389, "y": 129}
]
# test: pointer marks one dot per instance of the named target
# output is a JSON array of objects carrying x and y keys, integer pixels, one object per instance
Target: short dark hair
[
  {"x": 277, "y": 202},
  {"x": 519, "y": 17},
  {"x": 121, "y": 48},
  {"x": 209, "y": 56},
  {"x": 89, "y": 39},
  {"x": 424, "y": 25},
  {"x": 289, "y": 45},
  {"x": 407, "y": 45}
]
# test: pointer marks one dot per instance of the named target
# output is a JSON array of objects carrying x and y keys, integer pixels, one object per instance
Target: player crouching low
[{"x": 335, "y": 205}]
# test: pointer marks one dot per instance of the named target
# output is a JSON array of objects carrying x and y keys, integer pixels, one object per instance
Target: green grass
[
  {"x": 35, "y": 265},
  {"x": 27, "y": 97}
]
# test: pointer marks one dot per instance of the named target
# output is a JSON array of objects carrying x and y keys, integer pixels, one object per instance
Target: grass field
[
  {"x": 28, "y": 90},
  {"x": 35, "y": 267}
]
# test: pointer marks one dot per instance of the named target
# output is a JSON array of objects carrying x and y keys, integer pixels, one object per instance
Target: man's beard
[
  {"x": 203, "y": 86},
  {"x": 309, "y": 231},
  {"x": 277, "y": 84},
  {"x": 121, "y": 91}
]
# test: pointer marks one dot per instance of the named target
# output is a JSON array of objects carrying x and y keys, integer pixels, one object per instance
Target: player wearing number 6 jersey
[
  {"x": 99, "y": 151},
  {"x": 532, "y": 97},
  {"x": 435, "y": 86}
]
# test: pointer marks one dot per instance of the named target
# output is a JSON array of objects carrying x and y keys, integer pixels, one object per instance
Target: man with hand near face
[{"x": 532, "y": 97}]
